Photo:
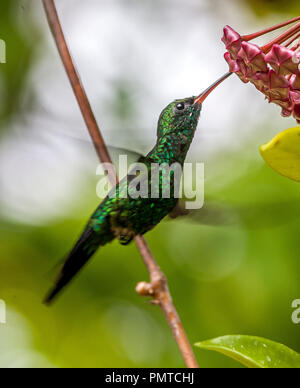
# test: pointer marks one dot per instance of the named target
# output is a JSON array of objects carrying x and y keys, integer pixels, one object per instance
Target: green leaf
[{"x": 254, "y": 352}]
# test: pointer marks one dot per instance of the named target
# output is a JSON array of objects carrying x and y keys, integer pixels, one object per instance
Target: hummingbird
[{"x": 123, "y": 217}]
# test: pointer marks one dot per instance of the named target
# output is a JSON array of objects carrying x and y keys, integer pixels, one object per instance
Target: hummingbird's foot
[
  {"x": 126, "y": 239},
  {"x": 124, "y": 235},
  {"x": 120, "y": 227}
]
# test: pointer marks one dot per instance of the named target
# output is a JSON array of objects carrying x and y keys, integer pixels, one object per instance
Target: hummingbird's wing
[
  {"x": 214, "y": 212},
  {"x": 211, "y": 214},
  {"x": 255, "y": 216},
  {"x": 117, "y": 154}
]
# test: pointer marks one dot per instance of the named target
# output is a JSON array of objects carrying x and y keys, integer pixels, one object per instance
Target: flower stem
[
  {"x": 282, "y": 38},
  {"x": 292, "y": 40},
  {"x": 270, "y": 29}
]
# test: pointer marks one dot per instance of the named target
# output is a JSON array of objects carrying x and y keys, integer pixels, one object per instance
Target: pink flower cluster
[{"x": 273, "y": 69}]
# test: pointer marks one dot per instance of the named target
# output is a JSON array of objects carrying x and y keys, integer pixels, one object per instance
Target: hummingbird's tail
[{"x": 84, "y": 249}]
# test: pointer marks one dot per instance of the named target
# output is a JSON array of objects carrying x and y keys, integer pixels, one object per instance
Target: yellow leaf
[{"x": 283, "y": 153}]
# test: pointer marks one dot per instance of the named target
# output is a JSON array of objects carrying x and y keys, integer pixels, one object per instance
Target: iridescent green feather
[{"x": 124, "y": 216}]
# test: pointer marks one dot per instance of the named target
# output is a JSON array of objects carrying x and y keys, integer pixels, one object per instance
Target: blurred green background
[{"x": 134, "y": 57}]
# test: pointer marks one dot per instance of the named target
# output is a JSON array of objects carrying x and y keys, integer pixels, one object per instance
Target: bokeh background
[{"x": 134, "y": 57}]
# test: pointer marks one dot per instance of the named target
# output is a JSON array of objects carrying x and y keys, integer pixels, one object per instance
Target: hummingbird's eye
[{"x": 180, "y": 107}]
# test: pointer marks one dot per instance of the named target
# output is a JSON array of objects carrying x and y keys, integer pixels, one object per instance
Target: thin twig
[{"x": 158, "y": 288}]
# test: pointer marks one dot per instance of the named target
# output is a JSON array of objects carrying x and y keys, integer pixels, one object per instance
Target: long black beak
[{"x": 200, "y": 99}]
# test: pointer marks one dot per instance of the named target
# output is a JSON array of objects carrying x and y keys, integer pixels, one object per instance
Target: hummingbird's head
[
  {"x": 179, "y": 116},
  {"x": 183, "y": 115}
]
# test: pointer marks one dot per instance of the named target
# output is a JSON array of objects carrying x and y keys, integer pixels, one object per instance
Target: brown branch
[{"x": 158, "y": 288}]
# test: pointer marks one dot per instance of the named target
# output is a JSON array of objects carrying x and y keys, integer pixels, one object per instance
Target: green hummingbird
[{"x": 123, "y": 215}]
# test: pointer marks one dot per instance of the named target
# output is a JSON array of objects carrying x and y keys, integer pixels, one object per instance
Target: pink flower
[{"x": 273, "y": 69}]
